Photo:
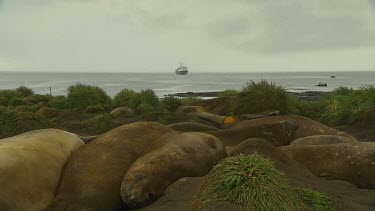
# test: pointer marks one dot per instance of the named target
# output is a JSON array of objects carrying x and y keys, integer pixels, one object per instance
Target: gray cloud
[
  {"x": 124, "y": 35},
  {"x": 298, "y": 26}
]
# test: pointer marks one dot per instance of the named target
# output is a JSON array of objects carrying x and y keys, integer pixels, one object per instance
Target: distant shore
[{"x": 306, "y": 96}]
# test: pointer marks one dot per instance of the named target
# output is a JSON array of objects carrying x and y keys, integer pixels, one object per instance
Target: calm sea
[{"x": 167, "y": 83}]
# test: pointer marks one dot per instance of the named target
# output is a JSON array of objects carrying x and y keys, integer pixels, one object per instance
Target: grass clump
[
  {"x": 59, "y": 102},
  {"x": 81, "y": 96},
  {"x": 24, "y": 91},
  {"x": 16, "y": 101},
  {"x": 38, "y": 98},
  {"x": 319, "y": 200},
  {"x": 13, "y": 122},
  {"x": 344, "y": 106},
  {"x": 229, "y": 93},
  {"x": 342, "y": 91},
  {"x": 250, "y": 181},
  {"x": 123, "y": 97},
  {"x": 190, "y": 100},
  {"x": 144, "y": 100},
  {"x": 171, "y": 103},
  {"x": 100, "y": 123},
  {"x": 259, "y": 97},
  {"x": 7, "y": 95}
]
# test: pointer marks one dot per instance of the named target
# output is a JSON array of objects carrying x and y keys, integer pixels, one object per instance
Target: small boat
[
  {"x": 321, "y": 84},
  {"x": 181, "y": 70},
  {"x": 332, "y": 76}
]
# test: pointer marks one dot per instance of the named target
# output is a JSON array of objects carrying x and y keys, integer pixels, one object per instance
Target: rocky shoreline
[{"x": 306, "y": 96}]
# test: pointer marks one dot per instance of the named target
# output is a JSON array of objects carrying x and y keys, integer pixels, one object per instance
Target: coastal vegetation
[
  {"x": 251, "y": 181},
  {"x": 259, "y": 96},
  {"x": 91, "y": 106}
]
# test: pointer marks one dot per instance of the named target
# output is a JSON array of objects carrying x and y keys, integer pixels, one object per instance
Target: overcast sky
[{"x": 208, "y": 35}]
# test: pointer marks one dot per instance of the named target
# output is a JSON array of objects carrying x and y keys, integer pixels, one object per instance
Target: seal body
[
  {"x": 322, "y": 139},
  {"x": 278, "y": 133},
  {"x": 306, "y": 126},
  {"x": 354, "y": 162},
  {"x": 171, "y": 157},
  {"x": 92, "y": 177},
  {"x": 191, "y": 127},
  {"x": 31, "y": 165}
]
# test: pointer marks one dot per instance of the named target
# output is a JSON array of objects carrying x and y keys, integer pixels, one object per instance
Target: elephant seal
[
  {"x": 306, "y": 126},
  {"x": 190, "y": 109},
  {"x": 92, "y": 177},
  {"x": 322, "y": 139},
  {"x": 31, "y": 165},
  {"x": 278, "y": 133},
  {"x": 353, "y": 162},
  {"x": 191, "y": 127},
  {"x": 171, "y": 157}
]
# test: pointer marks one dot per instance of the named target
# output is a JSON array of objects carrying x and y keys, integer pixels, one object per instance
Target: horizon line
[{"x": 319, "y": 71}]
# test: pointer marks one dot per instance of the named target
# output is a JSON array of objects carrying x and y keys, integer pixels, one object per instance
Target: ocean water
[{"x": 168, "y": 83}]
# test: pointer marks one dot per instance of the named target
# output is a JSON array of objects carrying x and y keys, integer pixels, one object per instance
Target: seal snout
[{"x": 135, "y": 198}]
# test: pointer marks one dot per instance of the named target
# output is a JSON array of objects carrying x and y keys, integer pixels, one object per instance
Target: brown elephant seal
[
  {"x": 261, "y": 147},
  {"x": 322, "y": 139},
  {"x": 31, "y": 165},
  {"x": 92, "y": 177},
  {"x": 278, "y": 133},
  {"x": 353, "y": 162},
  {"x": 191, "y": 127},
  {"x": 171, "y": 157},
  {"x": 306, "y": 126},
  {"x": 190, "y": 109}
]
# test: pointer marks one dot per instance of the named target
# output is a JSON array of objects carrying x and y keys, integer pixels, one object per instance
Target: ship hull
[{"x": 182, "y": 72}]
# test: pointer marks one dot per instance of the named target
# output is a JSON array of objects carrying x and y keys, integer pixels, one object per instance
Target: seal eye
[
  {"x": 150, "y": 196},
  {"x": 138, "y": 177}
]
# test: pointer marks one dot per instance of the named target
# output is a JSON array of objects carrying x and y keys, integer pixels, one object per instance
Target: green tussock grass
[
  {"x": 80, "y": 96},
  {"x": 24, "y": 91},
  {"x": 144, "y": 100},
  {"x": 38, "y": 98},
  {"x": 190, "y": 100},
  {"x": 248, "y": 180},
  {"x": 229, "y": 93},
  {"x": 343, "y": 106},
  {"x": 123, "y": 97},
  {"x": 342, "y": 91},
  {"x": 260, "y": 96},
  {"x": 13, "y": 122},
  {"x": 319, "y": 200},
  {"x": 171, "y": 103}
]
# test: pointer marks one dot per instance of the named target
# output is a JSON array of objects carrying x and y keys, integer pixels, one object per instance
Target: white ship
[{"x": 181, "y": 70}]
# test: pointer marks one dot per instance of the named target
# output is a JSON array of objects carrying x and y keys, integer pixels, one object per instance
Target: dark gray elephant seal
[
  {"x": 191, "y": 127},
  {"x": 306, "y": 126},
  {"x": 322, "y": 139},
  {"x": 171, "y": 157},
  {"x": 278, "y": 133},
  {"x": 92, "y": 177},
  {"x": 354, "y": 162},
  {"x": 31, "y": 165}
]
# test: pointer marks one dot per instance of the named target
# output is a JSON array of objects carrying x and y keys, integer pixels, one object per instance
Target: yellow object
[{"x": 228, "y": 119}]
